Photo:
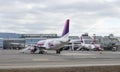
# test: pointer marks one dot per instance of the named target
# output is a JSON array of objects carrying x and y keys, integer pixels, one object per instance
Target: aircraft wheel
[
  {"x": 41, "y": 52},
  {"x": 58, "y": 51}
]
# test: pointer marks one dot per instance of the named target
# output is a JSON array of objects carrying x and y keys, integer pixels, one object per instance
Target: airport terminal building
[{"x": 14, "y": 40}]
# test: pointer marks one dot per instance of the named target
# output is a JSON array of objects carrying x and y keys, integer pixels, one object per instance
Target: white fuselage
[{"x": 52, "y": 44}]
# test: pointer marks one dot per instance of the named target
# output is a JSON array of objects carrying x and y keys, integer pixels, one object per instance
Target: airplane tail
[{"x": 65, "y": 33}]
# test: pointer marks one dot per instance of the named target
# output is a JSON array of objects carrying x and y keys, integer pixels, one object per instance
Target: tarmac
[{"x": 15, "y": 59}]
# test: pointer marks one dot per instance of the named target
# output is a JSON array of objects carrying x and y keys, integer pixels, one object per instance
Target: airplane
[
  {"x": 87, "y": 43},
  {"x": 53, "y": 44}
]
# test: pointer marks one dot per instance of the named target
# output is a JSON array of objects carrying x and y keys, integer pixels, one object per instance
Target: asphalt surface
[{"x": 16, "y": 59}]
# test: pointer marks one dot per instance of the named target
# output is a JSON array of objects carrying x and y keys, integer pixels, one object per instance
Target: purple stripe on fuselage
[{"x": 66, "y": 28}]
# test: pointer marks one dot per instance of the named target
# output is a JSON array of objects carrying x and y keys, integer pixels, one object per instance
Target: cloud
[{"x": 38, "y": 16}]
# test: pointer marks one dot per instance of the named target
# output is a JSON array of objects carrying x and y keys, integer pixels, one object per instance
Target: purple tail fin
[{"x": 66, "y": 28}]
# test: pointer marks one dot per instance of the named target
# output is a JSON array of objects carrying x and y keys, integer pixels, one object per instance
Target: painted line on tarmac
[
  {"x": 55, "y": 66},
  {"x": 68, "y": 54},
  {"x": 38, "y": 59}
]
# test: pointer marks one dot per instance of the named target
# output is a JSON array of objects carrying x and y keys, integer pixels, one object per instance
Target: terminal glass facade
[
  {"x": 39, "y": 35},
  {"x": 1, "y": 43},
  {"x": 10, "y": 35}
]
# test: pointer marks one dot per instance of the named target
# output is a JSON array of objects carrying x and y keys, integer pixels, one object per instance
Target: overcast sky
[{"x": 100, "y": 17}]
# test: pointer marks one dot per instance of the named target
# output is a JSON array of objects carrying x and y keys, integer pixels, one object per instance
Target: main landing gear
[
  {"x": 59, "y": 51},
  {"x": 41, "y": 52}
]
